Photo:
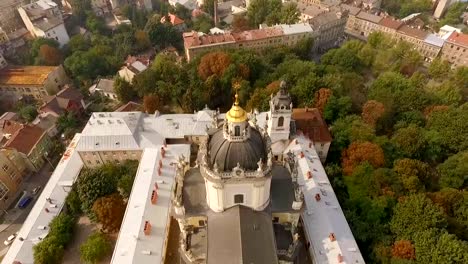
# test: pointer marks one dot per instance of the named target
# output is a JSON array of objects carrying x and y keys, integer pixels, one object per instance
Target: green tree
[
  {"x": 203, "y": 23},
  {"x": 413, "y": 174},
  {"x": 94, "y": 183},
  {"x": 449, "y": 128},
  {"x": 95, "y": 24},
  {"x": 87, "y": 65},
  {"x": 95, "y": 248},
  {"x": 162, "y": 35},
  {"x": 414, "y": 214},
  {"x": 289, "y": 13},
  {"x": 257, "y": 12},
  {"x": 48, "y": 251},
  {"x": 27, "y": 112},
  {"x": 68, "y": 124},
  {"x": 337, "y": 108},
  {"x": 453, "y": 172},
  {"x": 410, "y": 141},
  {"x": 79, "y": 42},
  {"x": 124, "y": 90},
  {"x": 73, "y": 202},
  {"x": 80, "y": 9},
  {"x": 453, "y": 14},
  {"x": 110, "y": 211},
  {"x": 439, "y": 68}
]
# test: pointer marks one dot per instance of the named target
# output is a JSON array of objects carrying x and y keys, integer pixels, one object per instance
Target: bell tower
[{"x": 279, "y": 116}]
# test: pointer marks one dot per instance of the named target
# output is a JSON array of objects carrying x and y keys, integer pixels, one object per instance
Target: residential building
[
  {"x": 104, "y": 87},
  {"x": 390, "y": 26},
  {"x": 446, "y": 31},
  {"x": 329, "y": 28},
  {"x": 66, "y": 100},
  {"x": 12, "y": 173},
  {"x": 3, "y": 37},
  {"x": 309, "y": 11},
  {"x": 32, "y": 143},
  {"x": 9, "y": 18},
  {"x": 190, "y": 4},
  {"x": 32, "y": 81},
  {"x": 134, "y": 65},
  {"x": 234, "y": 181},
  {"x": 365, "y": 24},
  {"x": 428, "y": 45},
  {"x": 310, "y": 123},
  {"x": 455, "y": 49},
  {"x": 43, "y": 18},
  {"x": 47, "y": 122},
  {"x": 441, "y": 7},
  {"x": 257, "y": 39},
  {"x": 176, "y": 22},
  {"x": 371, "y": 4}
]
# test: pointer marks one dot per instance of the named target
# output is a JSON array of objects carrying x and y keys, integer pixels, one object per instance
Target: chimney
[
  {"x": 147, "y": 228},
  {"x": 154, "y": 197},
  {"x": 332, "y": 237},
  {"x": 309, "y": 175}
]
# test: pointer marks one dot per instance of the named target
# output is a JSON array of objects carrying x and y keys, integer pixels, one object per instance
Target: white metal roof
[
  {"x": 322, "y": 217},
  {"x": 133, "y": 246},
  {"x": 66, "y": 171},
  {"x": 434, "y": 40},
  {"x": 296, "y": 28}
]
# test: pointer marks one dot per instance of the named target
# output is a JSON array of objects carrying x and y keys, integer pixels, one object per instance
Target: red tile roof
[
  {"x": 458, "y": 38},
  {"x": 310, "y": 122},
  {"x": 25, "y": 139},
  {"x": 175, "y": 20},
  {"x": 390, "y": 23},
  {"x": 59, "y": 103},
  {"x": 11, "y": 127}
]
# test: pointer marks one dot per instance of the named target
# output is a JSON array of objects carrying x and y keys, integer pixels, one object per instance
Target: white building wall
[
  {"x": 256, "y": 195},
  {"x": 58, "y": 33}
]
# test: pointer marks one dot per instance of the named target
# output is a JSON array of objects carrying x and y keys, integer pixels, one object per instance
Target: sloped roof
[
  {"x": 25, "y": 139},
  {"x": 129, "y": 107},
  {"x": 310, "y": 122},
  {"x": 25, "y": 75},
  {"x": 390, "y": 23},
  {"x": 458, "y": 38},
  {"x": 173, "y": 19},
  {"x": 241, "y": 235}
]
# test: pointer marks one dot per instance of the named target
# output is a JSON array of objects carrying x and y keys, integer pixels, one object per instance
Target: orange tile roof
[
  {"x": 458, "y": 38},
  {"x": 25, "y": 139},
  {"x": 25, "y": 75},
  {"x": 310, "y": 122},
  {"x": 175, "y": 20}
]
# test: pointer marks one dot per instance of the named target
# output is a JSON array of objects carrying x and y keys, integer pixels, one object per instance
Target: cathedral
[{"x": 240, "y": 202}]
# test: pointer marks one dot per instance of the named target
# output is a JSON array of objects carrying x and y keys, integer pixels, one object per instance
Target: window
[
  {"x": 237, "y": 131},
  {"x": 5, "y": 167},
  {"x": 280, "y": 121},
  {"x": 239, "y": 198},
  {"x": 98, "y": 162},
  {"x": 3, "y": 190},
  {"x": 201, "y": 223},
  {"x": 275, "y": 219}
]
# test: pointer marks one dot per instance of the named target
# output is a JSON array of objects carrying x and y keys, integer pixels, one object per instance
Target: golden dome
[{"x": 236, "y": 113}]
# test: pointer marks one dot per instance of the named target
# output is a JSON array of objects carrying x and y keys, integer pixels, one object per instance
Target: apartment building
[
  {"x": 44, "y": 19},
  {"x": 32, "y": 81},
  {"x": 9, "y": 17},
  {"x": 329, "y": 28},
  {"x": 257, "y": 39},
  {"x": 31, "y": 143},
  {"x": 455, "y": 49},
  {"x": 13, "y": 170}
]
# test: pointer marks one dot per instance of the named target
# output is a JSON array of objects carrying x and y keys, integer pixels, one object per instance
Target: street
[{"x": 37, "y": 179}]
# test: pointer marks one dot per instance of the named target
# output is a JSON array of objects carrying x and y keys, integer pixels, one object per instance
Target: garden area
[{"x": 86, "y": 231}]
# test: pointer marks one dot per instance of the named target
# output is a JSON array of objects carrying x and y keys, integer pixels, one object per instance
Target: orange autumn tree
[
  {"x": 403, "y": 249},
  {"x": 359, "y": 152},
  {"x": 433, "y": 108},
  {"x": 151, "y": 103},
  {"x": 50, "y": 56},
  {"x": 372, "y": 111},
  {"x": 321, "y": 98},
  {"x": 214, "y": 63}
]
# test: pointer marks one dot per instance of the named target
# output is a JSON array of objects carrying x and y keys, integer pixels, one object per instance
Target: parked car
[
  {"x": 9, "y": 240},
  {"x": 36, "y": 190},
  {"x": 24, "y": 202}
]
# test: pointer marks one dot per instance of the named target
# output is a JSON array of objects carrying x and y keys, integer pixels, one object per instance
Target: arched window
[
  {"x": 239, "y": 198},
  {"x": 280, "y": 121},
  {"x": 237, "y": 131}
]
